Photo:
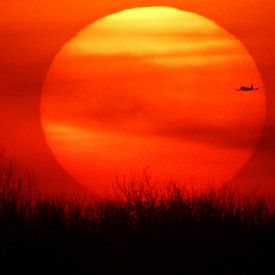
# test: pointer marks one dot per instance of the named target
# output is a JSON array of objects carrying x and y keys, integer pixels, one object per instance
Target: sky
[{"x": 33, "y": 32}]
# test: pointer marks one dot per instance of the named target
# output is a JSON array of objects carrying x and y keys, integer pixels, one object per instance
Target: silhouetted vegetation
[{"x": 140, "y": 230}]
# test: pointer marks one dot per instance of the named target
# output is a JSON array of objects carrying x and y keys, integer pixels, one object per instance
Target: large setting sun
[{"x": 152, "y": 89}]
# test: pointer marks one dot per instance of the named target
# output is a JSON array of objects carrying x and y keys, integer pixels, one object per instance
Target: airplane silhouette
[{"x": 247, "y": 89}]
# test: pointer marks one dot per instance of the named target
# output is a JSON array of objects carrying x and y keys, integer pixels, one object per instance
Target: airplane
[{"x": 247, "y": 89}]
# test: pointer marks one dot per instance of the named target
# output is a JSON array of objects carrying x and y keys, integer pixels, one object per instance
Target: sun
[{"x": 152, "y": 87}]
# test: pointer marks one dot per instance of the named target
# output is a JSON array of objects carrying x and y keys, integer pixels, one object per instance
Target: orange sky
[{"x": 32, "y": 32}]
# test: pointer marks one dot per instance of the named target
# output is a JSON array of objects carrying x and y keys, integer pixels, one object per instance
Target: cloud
[
  {"x": 234, "y": 137},
  {"x": 194, "y": 60},
  {"x": 152, "y": 32},
  {"x": 142, "y": 45},
  {"x": 137, "y": 119}
]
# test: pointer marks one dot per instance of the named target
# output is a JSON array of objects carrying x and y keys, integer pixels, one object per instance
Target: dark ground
[{"x": 141, "y": 231}]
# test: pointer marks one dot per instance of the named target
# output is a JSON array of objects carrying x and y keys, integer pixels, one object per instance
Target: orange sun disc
[{"x": 152, "y": 87}]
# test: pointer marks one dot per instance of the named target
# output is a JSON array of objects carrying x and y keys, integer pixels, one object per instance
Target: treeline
[{"x": 144, "y": 228}]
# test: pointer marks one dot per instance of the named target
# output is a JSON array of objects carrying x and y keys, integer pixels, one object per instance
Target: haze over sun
[{"x": 152, "y": 87}]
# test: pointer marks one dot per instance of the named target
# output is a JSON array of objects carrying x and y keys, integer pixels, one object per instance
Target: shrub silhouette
[{"x": 143, "y": 229}]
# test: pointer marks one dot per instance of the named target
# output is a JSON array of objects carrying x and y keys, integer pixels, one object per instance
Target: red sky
[{"x": 32, "y": 33}]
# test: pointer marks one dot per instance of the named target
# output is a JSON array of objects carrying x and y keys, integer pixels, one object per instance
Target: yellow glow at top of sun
[
  {"x": 160, "y": 19},
  {"x": 160, "y": 35}
]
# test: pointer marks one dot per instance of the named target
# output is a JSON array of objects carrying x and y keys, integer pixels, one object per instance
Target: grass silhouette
[{"x": 141, "y": 229}]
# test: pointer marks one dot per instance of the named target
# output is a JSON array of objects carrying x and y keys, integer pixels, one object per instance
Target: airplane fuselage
[{"x": 243, "y": 88}]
